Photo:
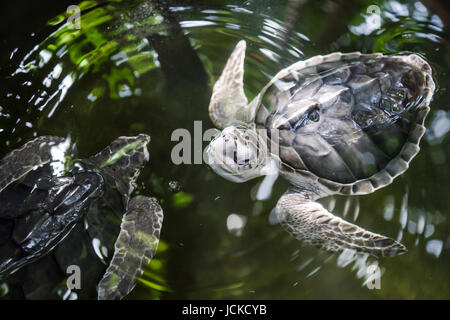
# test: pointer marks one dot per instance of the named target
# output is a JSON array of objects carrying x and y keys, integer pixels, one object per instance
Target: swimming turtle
[
  {"x": 59, "y": 215},
  {"x": 341, "y": 123}
]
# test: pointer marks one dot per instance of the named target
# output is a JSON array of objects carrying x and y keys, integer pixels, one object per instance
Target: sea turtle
[
  {"x": 341, "y": 123},
  {"x": 60, "y": 215}
]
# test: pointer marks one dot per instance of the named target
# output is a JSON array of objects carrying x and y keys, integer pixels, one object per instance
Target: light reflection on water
[{"x": 119, "y": 75}]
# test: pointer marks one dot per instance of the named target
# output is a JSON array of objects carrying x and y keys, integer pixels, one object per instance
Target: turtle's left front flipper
[
  {"x": 309, "y": 221},
  {"x": 134, "y": 248}
]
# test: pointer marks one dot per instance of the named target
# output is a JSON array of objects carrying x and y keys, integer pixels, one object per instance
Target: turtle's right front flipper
[
  {"x": 134, "y": 248},
  {"x": 309, "y": 221},
  {"x": 228, "y": 101}
]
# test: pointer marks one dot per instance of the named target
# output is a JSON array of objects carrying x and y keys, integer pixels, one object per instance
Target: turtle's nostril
[{"x": 225, "y": 137}]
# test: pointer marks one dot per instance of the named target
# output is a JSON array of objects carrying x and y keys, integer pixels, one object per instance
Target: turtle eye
[{"x": 313, "y": 114}]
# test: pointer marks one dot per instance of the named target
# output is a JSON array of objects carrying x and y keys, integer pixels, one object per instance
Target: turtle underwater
[
  {"x": 58, "y": 212},
  {"x": 341, "y": 123}
]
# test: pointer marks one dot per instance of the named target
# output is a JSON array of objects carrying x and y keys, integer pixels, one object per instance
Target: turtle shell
[
  {"x": 53, "y": 219},
  {"x": 352, "y": 122}
]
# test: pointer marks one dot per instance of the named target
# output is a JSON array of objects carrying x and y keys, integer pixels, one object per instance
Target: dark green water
[{"x": 138, "y": 66}]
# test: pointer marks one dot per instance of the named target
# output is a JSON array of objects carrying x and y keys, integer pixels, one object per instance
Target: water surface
[{"x": 137, "y": 66}]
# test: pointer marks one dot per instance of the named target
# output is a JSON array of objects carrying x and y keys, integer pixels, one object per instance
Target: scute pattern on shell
[
  {"x": 50, "y": 220},
  {"x": 32, "y": 154},
  {"x": 370, "y": 111}
]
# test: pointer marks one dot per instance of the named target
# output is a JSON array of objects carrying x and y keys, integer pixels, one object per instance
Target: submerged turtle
[
  {"x": 60, "y": 215},
  {"x": 342, "y": 123}
]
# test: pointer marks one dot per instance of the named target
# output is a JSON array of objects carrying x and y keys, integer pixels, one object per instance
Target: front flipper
[
  {"x": 135, "y": 247},
  {"x": 309, "y": 221},
  {"x": 228, "y": 99}
]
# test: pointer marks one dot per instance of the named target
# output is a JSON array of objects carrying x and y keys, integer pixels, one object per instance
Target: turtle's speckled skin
[
  {"x": 57, "y": 213},
  {"x": 342, "y": 123}
]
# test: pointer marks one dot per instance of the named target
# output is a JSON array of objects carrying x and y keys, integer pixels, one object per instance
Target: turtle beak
[
  {"x": 123, "y": 158},
  {"x": 134, "y": 148},
  {"x": 122, "y": 161},
  {"x": 142, "y": 155}
]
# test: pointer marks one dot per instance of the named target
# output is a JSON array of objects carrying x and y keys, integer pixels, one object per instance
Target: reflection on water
[{"x": 138, "y": 66}]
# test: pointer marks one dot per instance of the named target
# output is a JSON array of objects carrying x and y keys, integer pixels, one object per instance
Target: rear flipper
[
  {"x": 309, "y": 221},
  {"x": 135, "y": 247}
]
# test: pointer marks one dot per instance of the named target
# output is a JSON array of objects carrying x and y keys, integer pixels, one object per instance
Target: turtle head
[
  {"x": 123, "y": 158},
  {"x": 237, "y": 154}
]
